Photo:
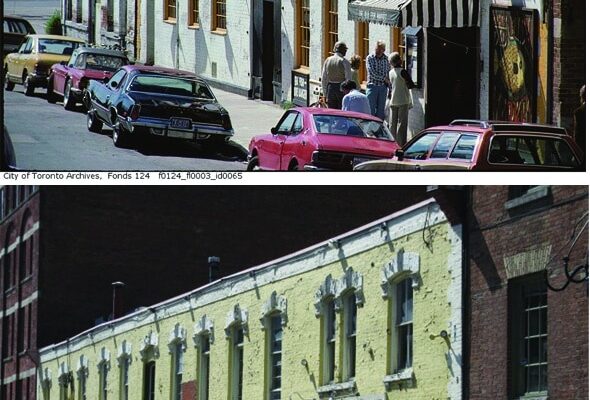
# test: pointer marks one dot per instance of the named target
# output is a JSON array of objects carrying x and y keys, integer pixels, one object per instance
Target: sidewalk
[{"x": 249, "y": 117}]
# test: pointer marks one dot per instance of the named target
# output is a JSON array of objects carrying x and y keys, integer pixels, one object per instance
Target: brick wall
[
  {"x": 495, "y": 234},
  {"x": 569, "y": 59}
]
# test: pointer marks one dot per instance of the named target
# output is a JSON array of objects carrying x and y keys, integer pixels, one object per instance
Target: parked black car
[
  {"x": 156, "y": 101},
  {"x": 15, "y": 31}
]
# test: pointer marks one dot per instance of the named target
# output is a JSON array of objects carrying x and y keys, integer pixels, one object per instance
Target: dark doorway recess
[
  {"x": 266, "y": 49},
  {"x": 452, "y": 57}
]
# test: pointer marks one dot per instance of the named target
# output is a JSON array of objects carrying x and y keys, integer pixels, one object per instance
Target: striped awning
[{"x": 425, "y": 13}]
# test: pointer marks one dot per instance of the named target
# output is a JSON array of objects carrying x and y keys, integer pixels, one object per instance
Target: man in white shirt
[{"x": 353, "y": 99}]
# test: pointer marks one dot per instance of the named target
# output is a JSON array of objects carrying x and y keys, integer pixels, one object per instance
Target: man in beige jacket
[{"x": 336, "y": 70}]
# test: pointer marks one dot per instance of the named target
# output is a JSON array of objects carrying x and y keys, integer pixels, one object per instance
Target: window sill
[
  {"x": 344, "y": 388},
  {"x": 194, "y": 26},
  {"x": 219, "y": 31},
  {"x": 7, "y": 359},
  {"x": 400, "y": 377},
  {"x": 302, "y": 70},
  {"x": 171, "y": 21},
  {"x": 10, "y": 290},
  {"x": 534, "y": 396},
  {"x": 28, "y": 278},
  {"x": 531, "y": 195}
]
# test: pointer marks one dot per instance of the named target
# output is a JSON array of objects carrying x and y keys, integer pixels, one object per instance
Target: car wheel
[
  {"x": 92, "y": 122},
  {"x": 9, "y": 83},
  {"x": 69, "y": 102},
  {"x": 121, "y": 137},
  {"x": 253, "y": 164},
  {"x": 28, "y": 85},
  {"x": 51, "y": 96}
]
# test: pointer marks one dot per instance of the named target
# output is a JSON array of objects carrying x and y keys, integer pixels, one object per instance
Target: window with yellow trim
[
  {"x": 170, "y": 10},
  {"x": 302, "y": 27},
  {"x": 219, "y": 15},
  {"x": 193, "y": 12},
  {"x": 330, "y": 27},
  {"x": 362, "y": 45}
]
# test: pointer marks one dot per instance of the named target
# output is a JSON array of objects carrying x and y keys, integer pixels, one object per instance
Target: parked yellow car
[{"x": 30, "y": 65}]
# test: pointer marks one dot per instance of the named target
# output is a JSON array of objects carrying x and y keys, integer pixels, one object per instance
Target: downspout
[{"x": 467, "y": 206}]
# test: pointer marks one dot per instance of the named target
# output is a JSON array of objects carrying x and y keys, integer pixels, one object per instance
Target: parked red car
[
  {"x": 69, "y": 79},
  {"x": 321, "y": 139},
  {"x": 485, "y": 146}
]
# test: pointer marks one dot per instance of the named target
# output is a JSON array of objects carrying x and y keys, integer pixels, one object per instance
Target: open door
[{"x": 266, "y": 50}]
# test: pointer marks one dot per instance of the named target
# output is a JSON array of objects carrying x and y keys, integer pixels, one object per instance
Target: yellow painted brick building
[{"x": 372, "y": 314}]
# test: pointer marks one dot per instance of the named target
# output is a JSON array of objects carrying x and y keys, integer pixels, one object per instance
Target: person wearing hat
[{"x": 336, "y": 70}]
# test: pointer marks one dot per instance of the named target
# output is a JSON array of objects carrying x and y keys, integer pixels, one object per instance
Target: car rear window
[
  {"x": 350, "y": 126},
  {"x": 531, "y": 150},
  {"x": 103, "y": 62},
  {"x": 57, "y": 46},
  {"x": 170, "y": 85}
]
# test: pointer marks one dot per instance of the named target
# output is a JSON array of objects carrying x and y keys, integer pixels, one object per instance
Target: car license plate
[{"x": 181, "y": 123}]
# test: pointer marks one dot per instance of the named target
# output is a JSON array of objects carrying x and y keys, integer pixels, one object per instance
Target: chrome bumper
[{"x": 159, "y": 127}]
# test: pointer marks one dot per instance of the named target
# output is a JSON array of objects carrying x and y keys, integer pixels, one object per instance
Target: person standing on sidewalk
[
  {"x": 336, "y": 70},
  {"x": 377, "y": 79},
  {"x": 401, "y": 99}
]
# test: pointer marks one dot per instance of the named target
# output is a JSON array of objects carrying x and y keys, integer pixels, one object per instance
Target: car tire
[
  {"x": 9, "y": 84},
  {"x": 253, "y": 164},
  {"x": 51, "y": 96},
  {"x": 121, "y": 137},
  {"x": 69, "y": 102},
  {"x": 28, "y": 85},
  {"x": 92, "y": 122}
]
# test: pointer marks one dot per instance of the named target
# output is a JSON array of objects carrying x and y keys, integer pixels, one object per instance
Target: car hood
[
  {"x": 410, "y": 165},
  {"x": 357, "y": 145}
]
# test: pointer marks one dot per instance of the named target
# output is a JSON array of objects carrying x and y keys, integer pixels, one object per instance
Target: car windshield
[
  {"x": 57, "y": 46},
  {"x": 170, "y": 85},
  {"x": 531, "y": 150},
  {"x": 351, "y": 126},
  {"x": 103, "y": 62}
]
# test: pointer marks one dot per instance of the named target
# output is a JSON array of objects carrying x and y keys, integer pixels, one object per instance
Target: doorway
[
  {"x": 452, "y": 57},
  {"x": 266, "y": 49}
]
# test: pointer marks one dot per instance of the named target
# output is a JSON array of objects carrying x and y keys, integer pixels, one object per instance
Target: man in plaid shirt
[{"x": 378, "y": 79}]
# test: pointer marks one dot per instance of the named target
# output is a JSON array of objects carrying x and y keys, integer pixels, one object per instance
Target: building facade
[
  {"x": 63, "y": 247},
  {"x": 373, "y": 313},
  {"x": 527, "y": 323}
]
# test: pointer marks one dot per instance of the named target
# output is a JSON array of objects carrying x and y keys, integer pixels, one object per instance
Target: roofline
[{"x": 308, "y": 251}]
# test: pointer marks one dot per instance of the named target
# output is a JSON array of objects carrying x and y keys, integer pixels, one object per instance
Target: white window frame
[
  {"x": 273, "y": 309},
  {"x": 236, "y": 320},
  {"x": 177, "y": 347},
  {"x": 124, "y": 362},
  {"x": 397, "y": 364},
  {"x": 46, "y": 383},
  {"x": 103, "y": 373},
  {"x": 64, "y": 380},
  {"x": 405, "y": 265},
  {"x": 349, "y": 322},
  {"x": 82, "y": 375},
  {"x": 203, "y": 339}
]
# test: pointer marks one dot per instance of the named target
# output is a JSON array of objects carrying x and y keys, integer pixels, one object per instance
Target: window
[
  {"x": 329, "y": 342},
  {"x": 237, "y": 362},
  {"x": 82, "y": 374},
  {"x": 116, "y": 79},
  {"x": 402, "y": 331},
  {"x": 331, "y": 27},
  {"x": 350, "y": 126},
  {"x": 464, "y": 148},
  {"x": 286, "y": 124},
  {"x": 274, "y": 357},
  {"x": 204, "y": 359},
  {"x": 5, "y": 332},
  {"x": 170, "y": 10},
  {"x": 349, "y": 316},
  {"x": 110, "y": 15},
  {"x": 78, "y": 11},
  {"x": 419, "y": 149},
  {"x": 149, "y": 380},
  {"x": 530, "y": 150},
  {"x": 528, "y": 335},
  {"x": 3, "y": 204},
  {"x": 443, "y": 146},
  {"x": 362, "y": 45},
  {"x": 219, "y": 15},
  {"x": 30, "y": 344},
  {"x": 193, "y": 12},
  {"x": 103, "y": 370},
  {"x": 124, "y": 363},
  {"x": 69, "y": 10},
  {"x": 20, "y": 331},
  {"x": 8, "y": 271},
  {"x": 303, "y": 33},
  {"x": 177, "y": 367}
]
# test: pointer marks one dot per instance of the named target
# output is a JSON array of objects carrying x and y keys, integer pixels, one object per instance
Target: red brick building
[
  {"x": 524, "y": 338},
  {"x": 62, "y": 247}
]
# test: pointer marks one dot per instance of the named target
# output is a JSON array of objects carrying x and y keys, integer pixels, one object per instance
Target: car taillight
[
  {"x": 134, "y": 114},
  {"x": 83, "y": 83},
  {"x": 226, "y": 122}
]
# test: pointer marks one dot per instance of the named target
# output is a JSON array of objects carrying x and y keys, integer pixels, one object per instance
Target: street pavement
[{"x": 47, "y": 137}]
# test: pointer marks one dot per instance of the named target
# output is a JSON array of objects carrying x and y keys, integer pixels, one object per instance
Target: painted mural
[{"x": 513, "y": 68}]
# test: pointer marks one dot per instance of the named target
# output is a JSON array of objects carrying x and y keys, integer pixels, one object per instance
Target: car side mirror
[
  {"x": 105, "y": 79},
  {"x": 399, "y": 153},
  {"x": 274, "y": 130}
]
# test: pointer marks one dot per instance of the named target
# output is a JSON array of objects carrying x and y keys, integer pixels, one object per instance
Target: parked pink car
[
  {"x": 70, "y": 79},
  {"x": 321, "y": 139}
]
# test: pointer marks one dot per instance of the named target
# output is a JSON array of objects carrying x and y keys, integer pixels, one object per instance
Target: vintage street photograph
[
  {"x": 304, "y": 292},
  {"x": 299, "y": 85}
]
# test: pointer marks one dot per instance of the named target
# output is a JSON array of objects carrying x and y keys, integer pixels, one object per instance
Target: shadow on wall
[
  {"x": 174, "y": 43},
  {"x": 201, "y": 52},
  {"x": 230, "y": 57},
  {"x": 288, "y": 62}
]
